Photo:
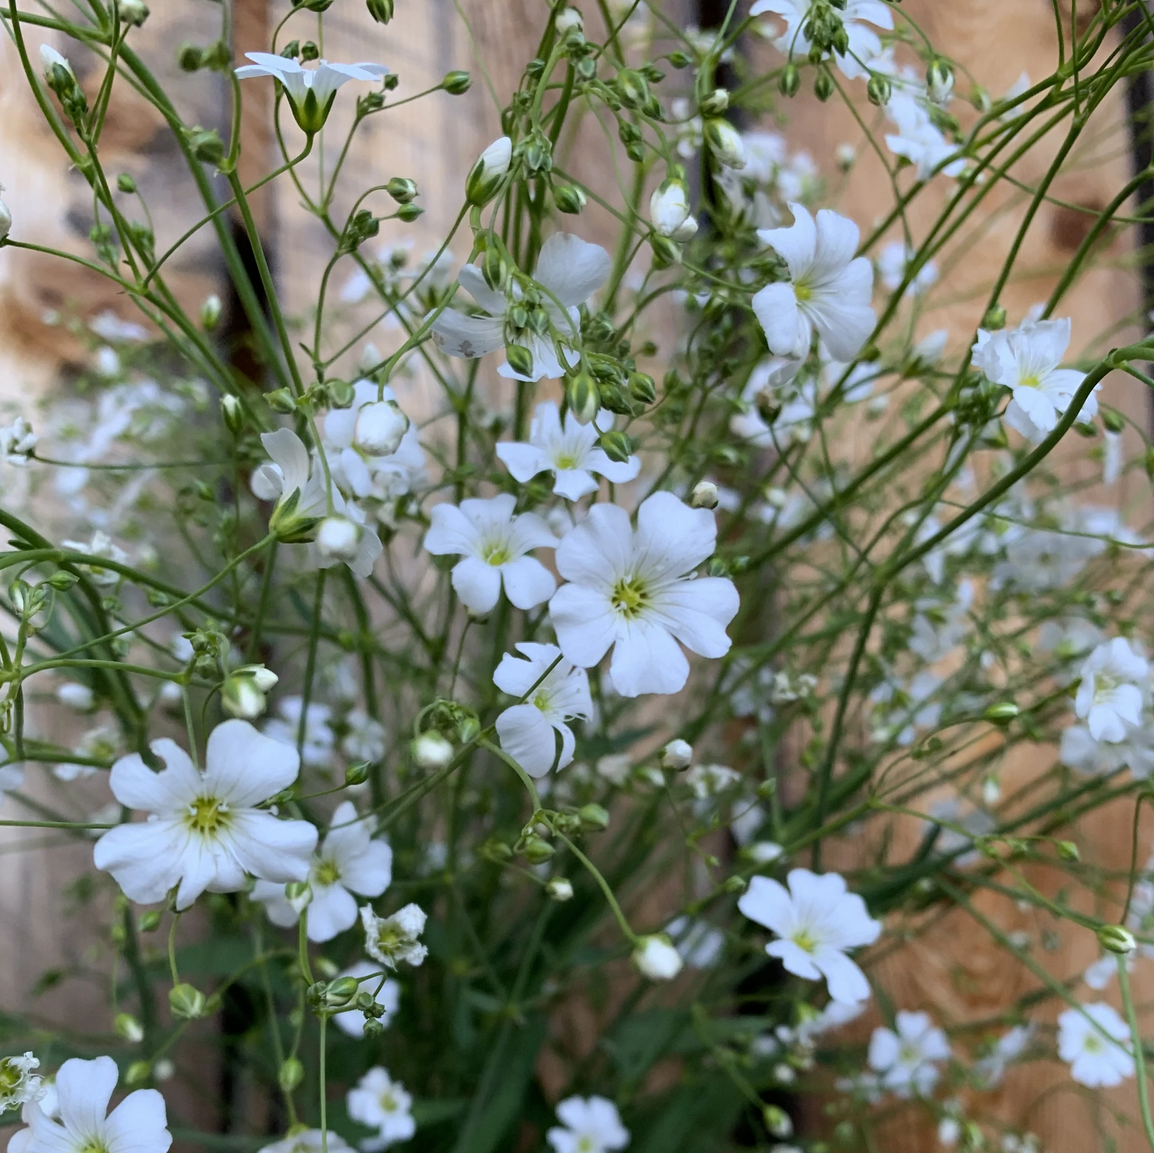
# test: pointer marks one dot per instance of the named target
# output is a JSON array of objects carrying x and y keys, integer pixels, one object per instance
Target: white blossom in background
[
  {"x": 18, "y": 1080},
  {"x": 366, "y": 738},
  {"x": 631, "y": 590},
  {"x": 698, "y": 942},
  {"x": 319, "y": 739},
  {"x": 1110, "y": 695},
  {"x": 396, "y": 938},
  {"x": 990, "y": 1069},
  {"x": 906, "y": 1057},
  {"x": 527, "y": 730},
  {"x": 495, "y": 545},
  {"x": 569, "y": 270},
  {"x": 588, "y": 1125},
  {"x": 101, "y": 546},
  {"x": 856, "y": 15},
  {"x": 568, "y": 451},
  {"x": 11, "y": 777},
  {"x": 918, "y": 139},
  {"x": 893, "y": 261},
  {"x": 1026, "y": 359},
  {"x": 205, "y": 831},
  {"x": 17, "y": 440},
  {"x": 1082, "y": 753},
  {"x": 310, "y": 91},
  {"x": 656, "y": 957},
  {"x": 828, "y": 290},
  {"x": 379, "y": 1102},
  {"x": 83, "y": 1092},
  {"x": 1095, "y": 1042},
  {"x": 348, "y": 861},
  {"x": 388, "y": 996},
  {"x": 816, "y": 920},
  {"x": 310, "y": 1141}
]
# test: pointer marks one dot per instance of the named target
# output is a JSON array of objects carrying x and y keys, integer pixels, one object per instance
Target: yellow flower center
[
  {"x": 1029, "y": 382},
  {"x": 565, "y": 461},
  {"x": 630, "y": 596},
  {"x": 804, "y": 941},
  {"x": 207, "y": 815},
  {"x": 541, "y": 700},
  {"x": 496, "y": 555},
  {"x": 93, "y": 1145},
  {"x": 585, "y": 1145},
  {"x": 388, "y": 1101},
  {"x": 326, "y": 872},
  {"x": 802, "y": 291}
]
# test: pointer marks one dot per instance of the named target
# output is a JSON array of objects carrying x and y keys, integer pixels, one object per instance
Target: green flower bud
[
  {"x": 583, "y": 397},
  {"x": 995, "y": 318},
  {"x": 495, "y": 269},
  {"x": 380, "y": 10},
  {"x": 680, "y": 59},
  {"x": 666, "y": 252},
  {"x": 790, "y": 80},
  {"x": 281, "y": 400},
  {"x": 210, "y": 312},
  {"x": 457, "y": 83},
  {"x": 290, "y": 1074},
  {"x": 407, "y": 213},
  {"x": 642, "y": 387},
  {"x": 593, "y": 817},
  {"x": 232, "y": 414},
  {"x": 716, "y": 103},
  {"x": 1002, "y": 712},
  {"x": 357, "y": 774},
  {"x": 138, "y": 1072},
  {"x": 879, "y": 89},
  {"x": 568, "y": 198},
  {"x": 62, "y": 581},
  {"x": 485, "y": 178},
  {"x": 536, "y": 851},
  {"x": 823, "y": 86},
  {"x": 1116, "y": 939},
  {"x": 189, "y": 57},
  {"x": 186, "y": 1002},
  {"x": 205, "y": 145},
  {"x": 632, "y": 88},
  {"x": 128, "y": 1027},
  {"x": 559, "y": 889},
  {"x": 148, "y": 921},
  {"x": 125, "y": 183},
  {"x": 372, "y": 1029},
  {"x": 1112, "y": 420},
  {"x": 617, "y": 446},
  {"x": 520, "y": 359},
  {"x": 401, "y": 189}
]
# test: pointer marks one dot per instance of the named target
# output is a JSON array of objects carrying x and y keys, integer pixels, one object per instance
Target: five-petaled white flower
[
  {"x": 395, "y": 938},
  {"x": 569, "y": 452},
  {"x": 864, "y": 44},
  {"x": 204, "y": 829},
  {"x": 1025, "y": 359},
  {"x": 828, "y": 290},
  {"x": 569, "y": 270},
  {"x": 18, "y": 1080},
  {"x": 1095, "y": 1041},
  {"x": 382, "y": 1104},
  {"x": 817, "y": 920},
  {"x": 1110, "y": 696},
  {"x": 919, "y": 139},
  {"x": 633, "y": 590},
  {"x": 905, "y": 1057},
  {"x": 83, "y": 1091},
  {"x": 495, "y": 544},
  {"x": 17, "y": 440},
  {"x": 310, "y": 91},
  {"x": 347, "y": 861},
  {"x": 527, "y": 730},
  {"x": 591, "y": 1125}
]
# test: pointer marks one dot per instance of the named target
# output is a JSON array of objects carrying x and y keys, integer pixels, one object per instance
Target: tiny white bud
[
  {"x": 75, "y": 696},
  {"x": 568, "y": 19},
  {"x": 725, "y": 143},
  {"x": 432, "y": 751},
  {"x": 845, "y": 155},
  {"x": 677, "y": 755},
  {"x": 5, "y": 220},
  {"x": 1117, "y": 939},
  {"x": 380, "y": 427},
  {"x": 669, "y": 207},
  {"x": 338, "y": 538},
  {"x": 49, "y": 56},
  {"x": 656, "y": 958},
  {"x": 560, "y": 889},
  {"x": 488, "y": 172},
  {"x": 704, "y": 495}
]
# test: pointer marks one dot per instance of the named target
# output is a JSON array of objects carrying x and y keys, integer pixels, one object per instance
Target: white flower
[
  {"x": 919, "y": 139},
  {"x": 18, "y": 1080},
  {"x": 633, "y": 590},
  {"x": 366, "y": 738},
  {"x": 656, "y": 957},
  {"x": 382, "y": 1104},
  {"x": 591, "y": 1125},
  {"x": 395, "y": 938},
  {"x": 569, "y": 452},
  {"x": 17, "y": 441},
  {"x": 569, "y": 271},
  {"x": 99, "y": 546},
  {"x": 388, "y": 996},
  {"x": 817, "y": 920},
  {"x": 83, "y": 1091},
  {"x": 311, "y": 91},
  {"x": 1025, "y": 360},
  {"x": 1110, "y": 695},
  {"x": 204, "y": 829},
  {"x": 1084, "y": 1041},
  {"x": 905, "y": 1059},
  {"x": 892, "y": 264},
  {"x": 991, "y": 1068},
  {"x": 317, "y": 749},
  {"x": 310, "y": 1141},
  {"x": 669, "y": 211},
  {"x": 527, "y": 730},
  {"x": 864, "y": 44},
  {"x": 1082, "y": 753},
  {"x": 829, "y": 289},
  {"x": 495, "y": 544},
  {"x": 347, "y": 861}
]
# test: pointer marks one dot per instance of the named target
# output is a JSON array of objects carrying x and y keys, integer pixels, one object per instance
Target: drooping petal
[
  {"x": 528, "y": 582},
  {"x": 584, "y": 621},
  {"x": 276, "y": 903},
  {"x": 787, "y": 329},
  {"x": 473, "y": 282},
  {"x": 571, "y": 268},
  {"x": 477, "y": 584},
  {"x": 288, "y": 451},
  {"x": 528, "y": 738},
  {"x": 646, "y": 659},
  {"x": 617, "y": 471},
  {"x": 846, "y": 982},
  {"x": 244, "y": 767}
]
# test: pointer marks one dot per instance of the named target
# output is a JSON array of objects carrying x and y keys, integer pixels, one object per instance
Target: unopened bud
[
  {"x": 995, "y": 318},
  {"x": 186, "y": 1002},
  {"x": 642, "y": 388},
  {"x": 790, "y": 80},
  {"x": 677, "y": 755},
  {"x": 656, "y": 958},
  {"x": 879, "y": 89},
  {"x": 559, "y": 889},
  {"x": 432, "y": 751},
  {"x": 401, "y": 189},
  {"x": 456, "y": 83},
  {"x": 536, "y": 850},
  {"x": 380, "y": 428},
  {"x": 290, "y": 1074},
  {"x": 725, "y": 143},
  {"x": 568, "y": 198},
  {"x": 138, "y": 1072},
  {"x": 716, "y": 103},
  {"x": 704, "y": 495},
  {"x": 357, "y": 774},
  {"x": 583, "y": 397},
  {"x": 617, "y": 446},
  {"x": 232, "y": 414},
  {"x": 380, "y": 10},
  {"x": 939, "y": 80},
  {"x": 593, "y": 817},
  {"x": 1116, "y": 939},
  {"x": 133, "y": 12},
  {"x": 5, "y": 221},
  {"x": 128, "y": 1027},
  {"x": 485, "y": 178},
  {"x": 1002, "y": 712}
]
